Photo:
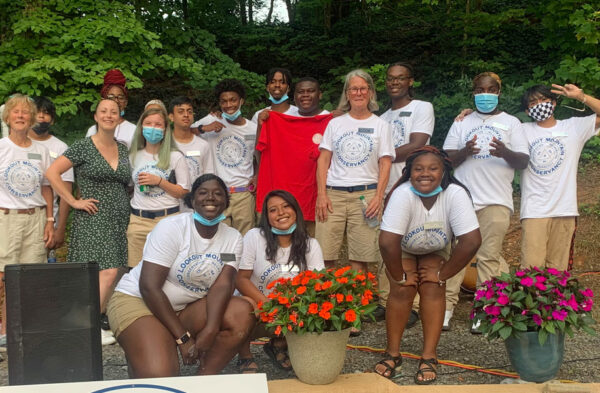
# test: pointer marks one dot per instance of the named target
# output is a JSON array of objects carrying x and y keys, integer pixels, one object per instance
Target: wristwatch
[{"x": 183, "y": 339}]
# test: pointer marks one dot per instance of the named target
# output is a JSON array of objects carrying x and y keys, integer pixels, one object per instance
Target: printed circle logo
[
  {"x": 152, "y": 191},
  {"x": 353, "y": 149},
  {"x": 231, "y": 151},
  {"x": 22, "y": 178},
  {"x": 546, "y": 155},
  {"x": 423, "y": 241},
  {"x": 317, "y": 138},
  {"x": 398, "y": 132},
  {"x": 484, "y": 134},
  {"x": 198, "y": 272},
  {"x": 194, "y": 166}
]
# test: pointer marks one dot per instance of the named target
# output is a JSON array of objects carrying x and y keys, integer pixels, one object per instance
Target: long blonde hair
[{"x": 166, "y": 145}]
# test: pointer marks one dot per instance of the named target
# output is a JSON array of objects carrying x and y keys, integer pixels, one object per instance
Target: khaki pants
[
  {"x": 137, "y": 232},
  {"x": 22, "y": 237},
  {"x": 546, "y": 242},
  {"x": 241, "y": 211},
  {"x": 493, "y": 224}
]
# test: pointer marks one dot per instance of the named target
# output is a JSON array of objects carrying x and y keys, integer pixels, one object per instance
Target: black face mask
[{"x": 41, "y": 128}]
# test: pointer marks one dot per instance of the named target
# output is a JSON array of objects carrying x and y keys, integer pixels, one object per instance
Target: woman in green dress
[{"x": 101, "y": 213}]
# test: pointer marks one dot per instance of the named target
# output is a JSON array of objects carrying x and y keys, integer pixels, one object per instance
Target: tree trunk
[
  {"x": 465, "y": 36},
  {"x": 289, "y": 4},
  {"x": 250, "y": 11},
  {"x": 184, "y": 9},
  {"x": 270, "y": 13},
  {"x": 243, "y": 12}
]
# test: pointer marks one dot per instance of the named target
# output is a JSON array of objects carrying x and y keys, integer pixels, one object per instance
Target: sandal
[
  {"x": 247, "y": 366},
  {"x": 392, "y": 370},
  {"x": 429, "y": 368},
  {"x": 279, "y": 356}
]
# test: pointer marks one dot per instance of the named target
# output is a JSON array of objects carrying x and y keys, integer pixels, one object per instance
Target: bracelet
[
  {"x": 584, "y": 99},
  {"x": 183, "y": 339},
  {"x": 49, "y": 219},
  {"x": 401, "y": 282},
  {"x": 440, "y": 282},
  {"x": 160, "y": 181}
]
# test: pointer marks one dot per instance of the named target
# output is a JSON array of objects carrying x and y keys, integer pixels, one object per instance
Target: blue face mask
[
  {"x": 486, "y": 102},
  {"x": 288, "y": 231},
  {"x": 279, "y": 101},
  {"x": 233, "y": 117},
  {"x": 432, "y": 193},
  {"x": 122, "y": 113},
  {"x": 153, "y": 135},
  {"x": 208, "y": 223}
]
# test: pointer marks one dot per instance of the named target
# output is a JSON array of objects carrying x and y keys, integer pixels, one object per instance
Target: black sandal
[
  {"x": 279, "y": 356},
  {"x": 393, "y": 370},
  {"x": 245, "y": 366},
  {"x": 429, "y": 363}
]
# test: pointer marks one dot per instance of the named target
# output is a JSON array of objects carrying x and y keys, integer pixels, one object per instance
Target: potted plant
[
  {"x": 532, "y": 309},
  {"x": 315, "y": 310}
]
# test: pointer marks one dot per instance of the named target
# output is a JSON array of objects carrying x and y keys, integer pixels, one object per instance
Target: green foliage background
[{"x": 62, "y": 49}]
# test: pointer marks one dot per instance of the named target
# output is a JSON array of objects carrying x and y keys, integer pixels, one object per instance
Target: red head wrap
[{"x": 114, "y": 78}]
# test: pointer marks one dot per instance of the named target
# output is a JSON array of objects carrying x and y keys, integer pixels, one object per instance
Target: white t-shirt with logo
[
  {"x": 425, "y": 231},
  {"x": 291, "y": 110},
  {"x": 123, "y": 133},
  {"x": 232, "y": 150},
  {"x": 56, "y": 148},
  {"x": 488, "y": 178},
  {"x": 263, "y": 271},
  {"x": 417, "y": 116},
  {"x": 155, "y": 198},
  {"x": 22, "y": 174},
  {"x": 194, "y": 262},
  {"x": 357, "y": 146},
  {"x": 549, "y": 184}
]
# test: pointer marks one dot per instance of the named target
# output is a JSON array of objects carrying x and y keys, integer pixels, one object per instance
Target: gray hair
[
  {"x": 344, "y": 104},
  {"x": 155, "y": 102}
]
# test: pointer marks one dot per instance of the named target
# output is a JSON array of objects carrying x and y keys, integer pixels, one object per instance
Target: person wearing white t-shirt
[
  {"x": 549, "y": 184},
  {"x": 179, "y": 298},
  {"x": 3, "y": 126},
  {"x": 486, "y": 148},
  {"x": 232, "y": 139},
  {"x": 412, "y": 124},
  {"x": 195, "y": 149},
  {"x": 46, "y": 113},
  {"x": 26, "y": 220},
  {"x": 355, "y": 160},
  {"x": 423, "y": 212},
  {"x": 279, "y": 247},
  {"x": 160, "y": 177}
]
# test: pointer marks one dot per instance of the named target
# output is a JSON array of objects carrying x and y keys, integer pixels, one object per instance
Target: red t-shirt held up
[{"x": 289, "y": 147}]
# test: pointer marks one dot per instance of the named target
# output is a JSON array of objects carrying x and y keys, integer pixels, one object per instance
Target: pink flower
[
  {"x": 558, "y": 293},
  {"x": 501, "y": 285},
  {"x": 524, "y": 312},
  {"x": 540, "y": 286},
  {"x": 492, "y": 310},
  {"x": 472, "y": 314},
  {"x": 587, "y": 292},
  {"x": 559, "y": 315},
  {"x": 537, "y": 269},
  {"x": 503, "y": 299},
  {"x": 537, "y": 319},
  {"x": 479, "y": 294},
  {"x": 553, "y": 271},
  {"x": 587, "y": 305},
  {"x": 520, "y": 273},
  {"x": 489, "y": 294},
  {"x": 527, "y": 281},
  {"x": 562, "y": 281},
  {"x": 540, "y": 278},
  {"x": 494, "y": 320}
]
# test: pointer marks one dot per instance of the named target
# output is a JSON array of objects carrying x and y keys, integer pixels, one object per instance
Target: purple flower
[
  {"x": 479, "y": 294},
  {"x": 537, "y": 319},
  {"x": 492, "y": 310},
  {"x": 527, "y": 281},
  {"x": 494, "y": 320},
  {"x": 503, "y": 299},
  {"x": 540, "y": 286},
  {"x": 559, "y": 315},
  {"x": 520, "y": 273},
  {"x": 553, "y": 271}
]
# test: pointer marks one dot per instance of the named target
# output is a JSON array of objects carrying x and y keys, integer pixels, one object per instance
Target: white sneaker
[
  {"x": 107, "y": 337},
  {"x": 447, "y": 317},
  {"x": 475, "y": 327}
]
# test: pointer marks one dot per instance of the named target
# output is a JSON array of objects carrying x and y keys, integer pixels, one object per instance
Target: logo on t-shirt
[
  {"x": 22, "y": 178},
  {"x": 194, "y": 166},
  {"x": 353, "y": 149},
  {"x": 546, "y": 155},
  {"x": 273, "y": 272},
  {"x": 231, "y": 151},
  {"x": 484, "y": 133},
  {"x": 398, "y": 133},
  {"x": 151, "y": 168},
  {"x": 198, "y": 272},
  {"x": 422, "y": 241}
]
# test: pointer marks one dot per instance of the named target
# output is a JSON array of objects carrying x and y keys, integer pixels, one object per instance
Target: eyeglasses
[
  {"x": 116, "y": 98},
  {"x": 392, "y": 79},
  {"x": 356, "y": 90}
]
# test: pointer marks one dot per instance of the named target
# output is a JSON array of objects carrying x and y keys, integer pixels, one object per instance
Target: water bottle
[
  {"x": 52, "y": 256},
  {"x": 372, "y": 222}
]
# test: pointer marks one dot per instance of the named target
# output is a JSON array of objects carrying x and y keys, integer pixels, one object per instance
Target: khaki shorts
[
  {"x": 348, "y": 217},
  {"x": 137, "y": 231},
  {"x": 123, "y": 310},
  {"x": 241, "y": 213},
  {"x": 546, "y": 242},
  {"x": 22, "y": 237},
  {"x": 444, "y": 253}
]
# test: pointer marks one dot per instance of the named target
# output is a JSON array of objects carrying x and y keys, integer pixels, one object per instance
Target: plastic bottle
[
  {"x": 52, "y": 256},
  {"x": 372, "y": 222}
]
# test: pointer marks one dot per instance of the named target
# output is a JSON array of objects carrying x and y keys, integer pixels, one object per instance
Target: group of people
[{"x": 207, "y": 213}]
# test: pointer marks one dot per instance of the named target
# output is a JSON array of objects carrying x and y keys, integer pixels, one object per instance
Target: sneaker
[
  {"x": 107, "y": 337},
  {"x": 475, "y": 327},
  {"x": 447, "y": 317},
  {"x": 2, "y": 342},
  {"x": 412, "y": 319},
  {"x": 379, "y": 313}
]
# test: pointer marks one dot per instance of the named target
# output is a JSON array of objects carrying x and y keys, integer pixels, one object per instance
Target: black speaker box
[{"x": 53, "y": 316}]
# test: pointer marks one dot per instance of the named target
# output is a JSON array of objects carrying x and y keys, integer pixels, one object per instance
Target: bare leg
[
  {"x": 107, "y": 279},
  {"x": 329, "y": 264},
  {"x": 358, "y": 266}
]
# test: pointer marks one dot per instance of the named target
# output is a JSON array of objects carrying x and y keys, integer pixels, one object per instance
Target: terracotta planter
[
  {"x": 535, "y": 362},
  {"x": 318, "y": 359}
]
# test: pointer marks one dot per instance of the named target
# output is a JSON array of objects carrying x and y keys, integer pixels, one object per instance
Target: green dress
[{"x": 100, "y": 237}]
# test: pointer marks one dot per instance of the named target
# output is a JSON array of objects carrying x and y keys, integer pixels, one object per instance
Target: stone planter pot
[
  {"x": 535, "y": 362},
  {"x": 317, "y": 359}
]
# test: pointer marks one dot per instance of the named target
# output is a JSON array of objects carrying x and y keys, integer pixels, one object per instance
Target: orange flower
[
  {"x": 370, "y": 276},
  {"x": 349, "y": 298},
  {"x": 296, "y": 280},
  {"x": 289, "y": 327},
  {"x": 305, "y": 280},
  {"x": 350, "y": 316},
  {"x": 313, "y": 308},
  {"x": 324, "y": 314},
  {"x": 340, "y": 272},
  {"x": 364, "y": 301},
  {"x": 339, "y": 297},
  {"x": 327, "y": 306},
  {"x": 326, "y": 284},
  {"x": 260, "y": 304},
  {"x": 273, "y": 295},
  {"x": 360, "y": 277},
  {"x": 342, "y": 280},
  {"x": 273, "y": 312},
  {"x": 318, "y": 287},
  {"x": 278, "y": 330},
  {"x": 301, "y": 323},
  {"x": 271, "y": 284},
  {"x": 301, "y": 290},
  {"x": 368, "y": 294},
  {"x": 283, "y": 300},
  {"x": 294, "y": 317}
]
